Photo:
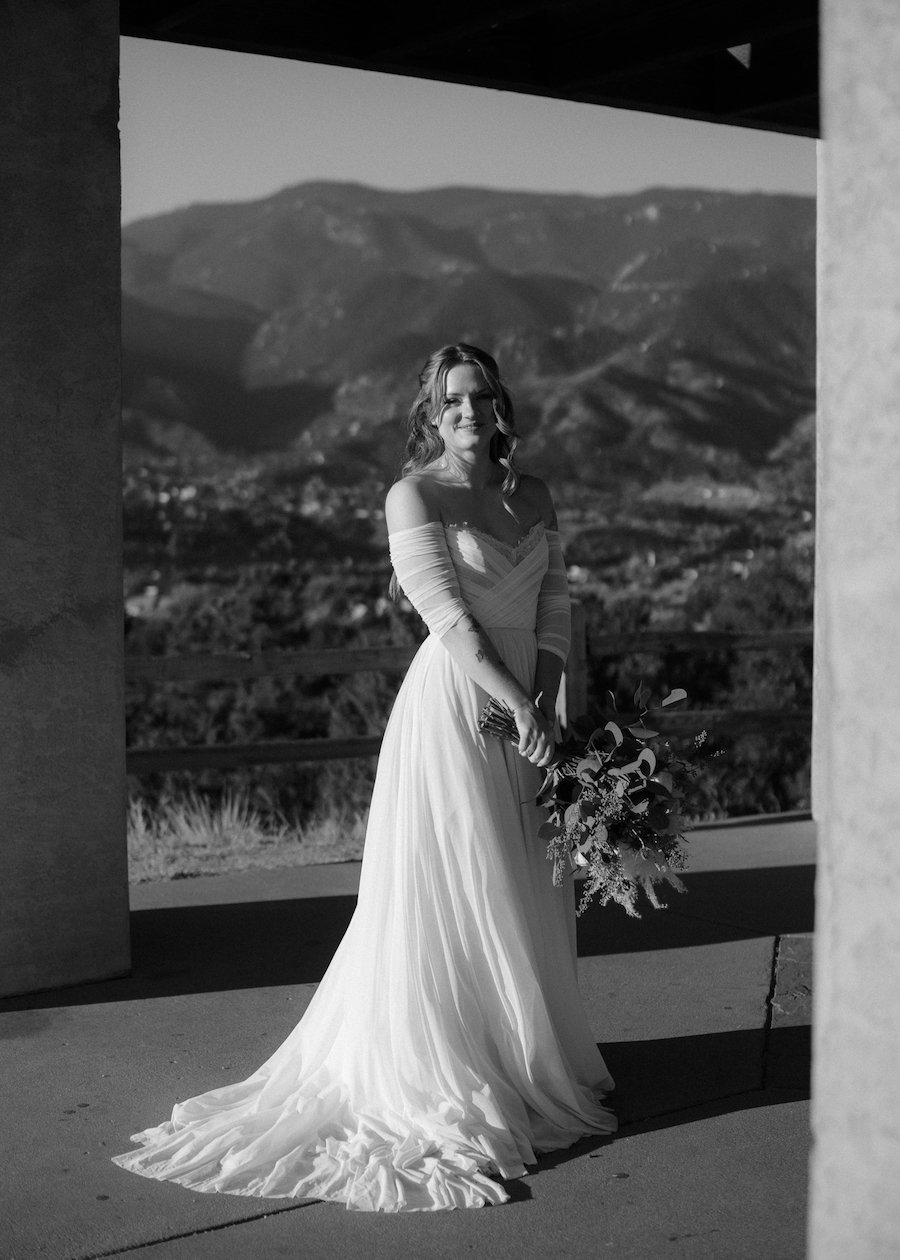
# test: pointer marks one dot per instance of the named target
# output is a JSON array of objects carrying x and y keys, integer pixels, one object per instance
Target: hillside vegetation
[{"x": 660, "y": 352}]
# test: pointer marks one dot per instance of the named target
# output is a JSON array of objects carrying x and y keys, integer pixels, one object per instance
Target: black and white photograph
[{"x": 450, "y": 683}]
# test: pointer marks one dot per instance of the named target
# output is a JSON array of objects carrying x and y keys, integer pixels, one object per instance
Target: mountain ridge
[{"x": 676, "y": 318}]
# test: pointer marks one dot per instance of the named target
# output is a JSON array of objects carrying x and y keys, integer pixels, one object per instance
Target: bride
[{"x": 446, "y": 1044}]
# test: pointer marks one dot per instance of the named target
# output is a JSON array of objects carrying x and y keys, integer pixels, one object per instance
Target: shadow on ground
[
  {"x": 244, "y": 945},
  {"x": 671, "y": 1074},
  {"x": 206, "y": 949},
  {"x": 718, "y": 906},
  {"x": 672, "y": 1081}
]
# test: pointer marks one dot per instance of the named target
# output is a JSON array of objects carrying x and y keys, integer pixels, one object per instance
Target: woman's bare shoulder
[
  {"x": 410, "y": 502},
  {"x": 537, "y": 496}
]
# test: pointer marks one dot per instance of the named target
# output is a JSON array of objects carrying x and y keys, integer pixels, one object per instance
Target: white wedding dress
[{"x": 447, "y": 1040}]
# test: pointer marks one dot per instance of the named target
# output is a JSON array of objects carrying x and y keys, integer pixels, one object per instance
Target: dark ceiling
[{"x": 750, "y": 63}]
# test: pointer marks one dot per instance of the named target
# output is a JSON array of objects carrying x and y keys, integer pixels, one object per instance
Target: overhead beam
[
  {"x": 661, "y": 52},
  {"x": 487, "y": 20},
  {"x": 178, "y": 17},
  {"x": 800, "y": 100},
  {"x": 668, "y": 57}
]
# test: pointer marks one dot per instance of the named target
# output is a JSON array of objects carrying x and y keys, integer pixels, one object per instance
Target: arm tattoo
[{"x": 474, "y": 628}]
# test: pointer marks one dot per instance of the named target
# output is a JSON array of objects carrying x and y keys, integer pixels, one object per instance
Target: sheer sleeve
[
  {"x": 426, "y": 575},
  {"x": 553, "y": 625}
]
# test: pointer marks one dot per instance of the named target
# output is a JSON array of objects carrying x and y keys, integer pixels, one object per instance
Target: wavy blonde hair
[{"x": 424, "y": 444}]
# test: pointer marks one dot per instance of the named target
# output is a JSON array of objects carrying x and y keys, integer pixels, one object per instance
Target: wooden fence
[{"x": 573, "y": 697}]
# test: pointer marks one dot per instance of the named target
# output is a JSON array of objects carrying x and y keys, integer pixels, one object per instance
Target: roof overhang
[{"x": 750, "y": 63}]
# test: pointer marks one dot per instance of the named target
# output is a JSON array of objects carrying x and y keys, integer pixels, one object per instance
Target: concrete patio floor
[{"x": 702, "y": 1013}]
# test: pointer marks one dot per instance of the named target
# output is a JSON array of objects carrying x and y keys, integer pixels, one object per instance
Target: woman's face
[{"x": 467, "y": 421}]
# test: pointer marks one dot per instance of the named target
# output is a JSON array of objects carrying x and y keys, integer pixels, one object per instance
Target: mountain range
[{"x": 662, "y": 331}]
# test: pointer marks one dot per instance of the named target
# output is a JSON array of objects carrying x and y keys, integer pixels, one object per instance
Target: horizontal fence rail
[
  {"x": 245, "y": 666},
  {"x": 242, "y": 666},
  {"x": 232, "y": 756},
  {"x": 698, "y": 641}
]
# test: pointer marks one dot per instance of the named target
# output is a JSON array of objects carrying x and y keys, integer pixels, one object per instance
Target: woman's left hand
[{"x": 536, "y": 742}]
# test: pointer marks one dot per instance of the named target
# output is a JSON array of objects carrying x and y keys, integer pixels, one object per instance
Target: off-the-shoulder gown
[{"x": 446, "y": 1044}]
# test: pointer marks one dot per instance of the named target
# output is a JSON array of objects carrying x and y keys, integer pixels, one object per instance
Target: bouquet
[{"x": 614, "y": 802}]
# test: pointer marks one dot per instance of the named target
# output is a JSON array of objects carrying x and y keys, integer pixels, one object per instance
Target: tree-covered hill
[
  {"x": 667, "y": 320},
  {"x": 660, "y": 350}
]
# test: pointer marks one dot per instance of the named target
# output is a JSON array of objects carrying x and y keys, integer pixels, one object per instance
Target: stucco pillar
[
  {"x": 818, "y": 774},
  {"x": 63, "y": 885},
  {"x": 855, "y": 1204}
]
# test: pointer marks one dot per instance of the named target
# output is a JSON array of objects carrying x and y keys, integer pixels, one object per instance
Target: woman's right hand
[{"x": 536, "y": 742}]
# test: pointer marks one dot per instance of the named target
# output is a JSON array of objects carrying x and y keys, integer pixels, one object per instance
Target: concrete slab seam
[
  {"x": 770, "y": 1011},
  {"x": 195, "y": 1233}
]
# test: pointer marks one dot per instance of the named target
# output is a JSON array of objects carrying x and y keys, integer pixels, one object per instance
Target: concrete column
[
  {"x": 855, "y": 1204},
  {"x": 818, "y": 772},
  {"x": 63, "y": 883}
]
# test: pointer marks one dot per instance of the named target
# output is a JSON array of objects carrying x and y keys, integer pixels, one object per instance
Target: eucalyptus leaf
[
  {"x": 647, "y": 758},
  {"x": 675, "y": 696}
]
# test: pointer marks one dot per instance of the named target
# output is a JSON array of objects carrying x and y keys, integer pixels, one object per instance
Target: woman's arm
[
  {"x": 553, "y": 622},
  {"x": 432, "y": 588},
  {"x": 547, "y": 677}
]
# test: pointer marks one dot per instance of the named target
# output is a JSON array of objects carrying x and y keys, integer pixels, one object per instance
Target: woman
[{"x": 446, "y": 1041}]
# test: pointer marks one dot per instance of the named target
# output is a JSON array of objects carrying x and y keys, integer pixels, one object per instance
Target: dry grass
[{"x": 186, "y": 837}]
